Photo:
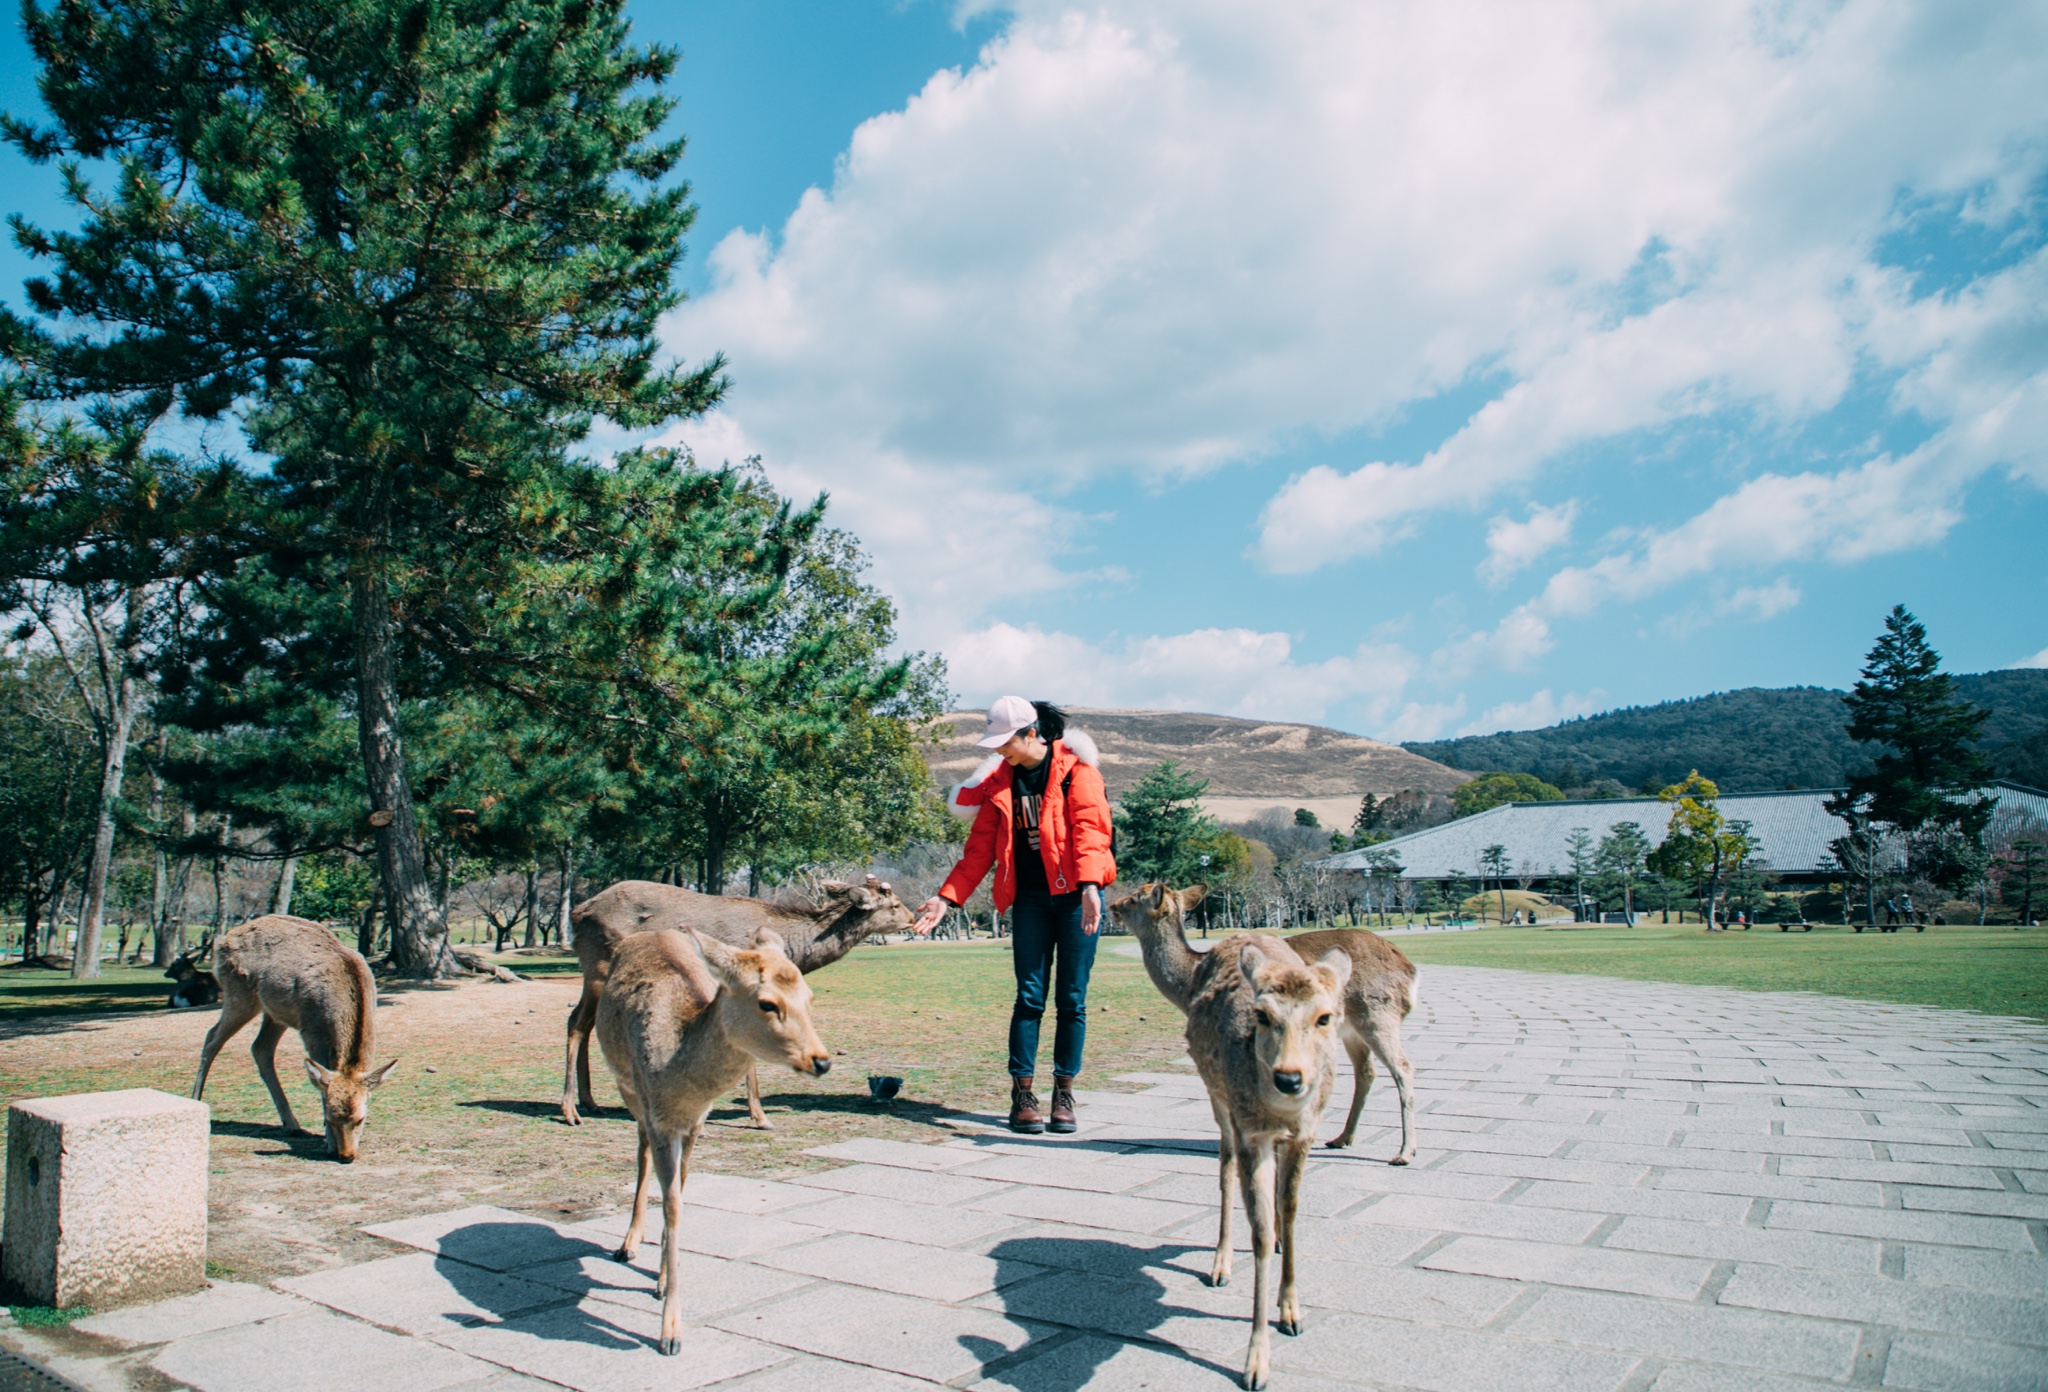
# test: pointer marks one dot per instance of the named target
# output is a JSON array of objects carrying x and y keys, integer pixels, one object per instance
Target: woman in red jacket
[{"x": 1041, "y": 820}]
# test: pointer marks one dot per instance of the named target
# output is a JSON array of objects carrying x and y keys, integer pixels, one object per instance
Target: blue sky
[{"x": 1413, "y": 370}]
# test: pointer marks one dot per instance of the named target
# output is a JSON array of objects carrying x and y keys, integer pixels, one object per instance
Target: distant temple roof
[{"x": 1791, "y": 831}]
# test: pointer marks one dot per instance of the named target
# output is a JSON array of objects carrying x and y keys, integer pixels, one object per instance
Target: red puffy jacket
[{"x": 1073, "y": 826}]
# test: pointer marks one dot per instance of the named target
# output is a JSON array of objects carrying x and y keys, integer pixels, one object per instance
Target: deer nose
[
  {"x": 821, "y": 1065},
  {"x": 1288, "y": 1080}
]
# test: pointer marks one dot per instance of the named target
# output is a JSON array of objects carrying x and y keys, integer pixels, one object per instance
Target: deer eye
[
  {"x": 1322, "y": 1022},
  {"x": 770, "y": 1008},
  {"x": 1264, "y": 1018}
]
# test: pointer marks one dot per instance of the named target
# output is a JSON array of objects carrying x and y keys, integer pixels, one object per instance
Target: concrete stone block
[
  {"x": 805, "y": 1374},
  {"x": 423, "y": 1294},
  {"x": 1089, "y": 1209},
  {"x": 1486, "y": 1219},
  {"x": 738, "y": 1194},
  {"x": 891, "y": 1332},
  {"x": 1592, "y": 1268},
  {"x": 315, "y": 1352},
  {"x": 911, "y": 1186},
  {"x": 1103, "y": 1364},
  {"x": 707, "y": 1230},
  {"x": 1985, "y": 1203},
  {"x": 1724, "y": 1242},
  {"x": 1402, "y": 1292},
  {"x": 2010, "y": 1273},
  {"x": 1928, "y": 1363},
  {"x": 1060, "y": 1172},
  {"x": 709, "y": 1285},
  {"x": 1572, "y": 1169},
  {"x": 1377, "y": 1177},
  {"x": 1715, "y": 1377},
  {"x": 1798, "y": 1188},
  {"x": 220, "y": 1306},
  {"x": 928, "y": 1224},
  {"x": 1667, "y": 1329},
  {"x": 1644, "y": 1203},
  {"x": 873, "y": 1150},
  {"x": 900, "y": 1267},
  {"x": 1361, "y": 1348},
  {"x": 1903, "y": 1305},
  {"x": 495, "y": 1238},
  {"x": 1948, "y": 1229},
  {"x": 596, "y": 1346},
  {"x": 106, "y": 1198},
  {"x": 1955, "y": 1176}
]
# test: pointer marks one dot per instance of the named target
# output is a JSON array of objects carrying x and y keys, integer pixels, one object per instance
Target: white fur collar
[{"x": 1078, "y": 741}]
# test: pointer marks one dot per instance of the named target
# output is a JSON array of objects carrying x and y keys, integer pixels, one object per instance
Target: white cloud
[
  {"x": 1512, "y": 644},
  {"x": 1512, "y": 545},
  {"x": 1533, "y": 714},
  {"x": 1762, "y": 601},
  {"x": 1229, "y": 671},
  {"x": 1161, "y": 237},
  {"x": 2039, "y": 659}
]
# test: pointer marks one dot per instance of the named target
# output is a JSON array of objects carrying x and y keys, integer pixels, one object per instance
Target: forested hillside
[{"x": 1746, "y": 740}]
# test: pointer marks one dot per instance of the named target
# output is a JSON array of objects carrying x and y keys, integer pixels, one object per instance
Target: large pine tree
[
  {"x": 415, "y": 247},
  {"x": 1925, "y": 781}
]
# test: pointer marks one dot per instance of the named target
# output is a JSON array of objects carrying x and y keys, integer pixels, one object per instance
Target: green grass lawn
[
  {"x": 26, "y": 992},
  {"x": 1995, "y": 970}
]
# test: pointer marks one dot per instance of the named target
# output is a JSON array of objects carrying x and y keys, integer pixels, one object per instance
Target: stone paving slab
[{"x": 1621, "y": 1186}]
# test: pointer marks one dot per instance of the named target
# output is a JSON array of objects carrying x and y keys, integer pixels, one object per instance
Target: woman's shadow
[{"x": 1109, "y": 1291}]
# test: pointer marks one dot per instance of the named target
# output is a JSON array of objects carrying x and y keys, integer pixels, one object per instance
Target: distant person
[{"x": 1041, "y": 820}]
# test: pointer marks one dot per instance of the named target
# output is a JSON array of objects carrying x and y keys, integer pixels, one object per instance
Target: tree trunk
[
  {"x": 562, "y": 925},
  {"x": 419, "y": 932},
  {"x": 160, "y": 865},
  {"x": 281, "y": 898},
  {"x": 533, "y": 905},
  {"x": 366, "y": 931},
  {"x": 123, "y": 696},
  {"x": 31, "y": 923}
]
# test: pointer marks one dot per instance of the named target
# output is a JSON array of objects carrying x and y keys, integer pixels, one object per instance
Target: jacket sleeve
[
  {"x": 1088, "y": 821},
  {"x": 976, "y": 859}
]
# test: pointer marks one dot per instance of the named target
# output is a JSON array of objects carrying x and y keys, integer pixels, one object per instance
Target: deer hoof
[
  {"x": 1339, "y": 1144},
  {"x": 1220, "y": 1276},
  {"x": 569, "y": 1117},
  {"x": 1400, "y": 1160},
  {"x": 624, "y": 1254},
  {"x": 1288, "y": 1327},
  {"x": 671, "y": 1345},
  {"x": 1254, "y": 1372}
]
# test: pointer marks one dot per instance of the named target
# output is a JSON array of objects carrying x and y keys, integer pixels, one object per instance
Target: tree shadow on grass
[{"x": 541, "y": 1111}]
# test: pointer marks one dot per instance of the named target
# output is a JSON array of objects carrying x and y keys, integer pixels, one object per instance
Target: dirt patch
[{"x": 483, "y": 1125}]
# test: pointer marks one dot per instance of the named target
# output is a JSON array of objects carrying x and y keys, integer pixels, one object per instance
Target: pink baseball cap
[{"x": 1005, "y": 718}]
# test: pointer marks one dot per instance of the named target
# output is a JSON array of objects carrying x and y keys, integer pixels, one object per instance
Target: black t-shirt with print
[{"x": 1027, "y": 800}]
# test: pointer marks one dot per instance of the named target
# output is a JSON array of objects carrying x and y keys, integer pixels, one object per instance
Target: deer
[
  {"x": 813, "y": 938},
  {"x": 296, "y": 975},
  {"x": 1377, "y": 998},
  {"x": 195, "y": 987},
  {"x": 683, "y": 1015}
]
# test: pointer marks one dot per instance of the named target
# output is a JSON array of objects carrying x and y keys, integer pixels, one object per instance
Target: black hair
[{"x": 1052, "y": 721}]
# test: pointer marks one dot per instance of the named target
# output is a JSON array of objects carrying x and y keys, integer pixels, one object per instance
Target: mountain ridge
[{"x": 1750, "y": 739}]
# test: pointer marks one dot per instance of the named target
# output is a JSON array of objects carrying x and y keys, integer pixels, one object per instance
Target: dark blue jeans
[{"x": 1047, "y": 941}]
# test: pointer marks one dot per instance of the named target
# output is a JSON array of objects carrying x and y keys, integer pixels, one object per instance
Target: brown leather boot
[
  {"x": 1025, "y": 1119},
  {"x": 1062, "y": 1121}
]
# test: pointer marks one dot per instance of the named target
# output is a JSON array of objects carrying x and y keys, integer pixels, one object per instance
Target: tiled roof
[{"x": 1791, "y": 830}]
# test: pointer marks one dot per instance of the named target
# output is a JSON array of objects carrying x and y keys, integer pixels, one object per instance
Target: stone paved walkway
[{"x": 1622, "y": 1187}]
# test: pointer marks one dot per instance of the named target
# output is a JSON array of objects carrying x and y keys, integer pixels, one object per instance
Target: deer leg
[
  {"x": 236, "y": 1011},
  {"x": 1384, "y": 1037},
  {"x": 1293, "y": 1167},
  {"x": 754, "y": 1098},
  {"x": 1226, "y": 1180},
  {"x": 264, "y": 1050},
  {"x": 1361, "y": 1084},
  {"x": 629, "y": 1245},
  {"x": 1256, "y": 1169},
  {"x": 675, "y": 1169},
  {"x": 576, "y": 1066}
]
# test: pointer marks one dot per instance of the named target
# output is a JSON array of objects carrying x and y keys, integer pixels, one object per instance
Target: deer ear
[
  {"x": 321, "y": 1076},
  {"x": 1249, "y": 960},
  {"x": 381, "y": 1076},
  {"x": 768, "y": 940},
  {"x": 1193, "y": 895},
  {"x": 721, "y": 961},
  {"x": 1156, "y": 892},
  {"x": 1338, "y": 963}
]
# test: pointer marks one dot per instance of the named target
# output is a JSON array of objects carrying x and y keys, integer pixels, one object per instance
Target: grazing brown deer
[
  {"x": 814, "y": 938},
  {"x": 293, "y": 973},
  {"x": 195, "y": 987},
  {"x": 682, "y": 1017},
  {"x": 1377, "y": 998}
]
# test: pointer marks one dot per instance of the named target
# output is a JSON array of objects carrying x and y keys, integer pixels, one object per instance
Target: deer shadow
[
  {"x": 300, "y": 1144},
  {"x": 483, "y": 1263},
  {"x": 1112, "y": 1292}
]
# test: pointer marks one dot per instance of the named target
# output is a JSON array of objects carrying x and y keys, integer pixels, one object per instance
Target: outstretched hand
[
  {"x": 1091, "y": 910},
  {"x": 928, "y": 915}
]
